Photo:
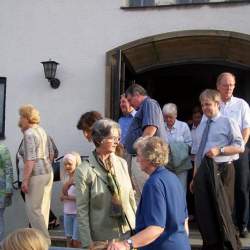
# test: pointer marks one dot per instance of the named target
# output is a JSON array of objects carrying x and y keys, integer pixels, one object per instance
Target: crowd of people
[{"x": 145, "y": 172}]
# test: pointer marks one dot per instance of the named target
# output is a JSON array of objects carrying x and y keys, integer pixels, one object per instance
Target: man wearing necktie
[{"x": 220, "y": 139}]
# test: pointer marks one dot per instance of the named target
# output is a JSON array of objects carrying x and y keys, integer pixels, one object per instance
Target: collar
[
  {"x": 131, "y": 114},
  {"x": 157, "y": 170},
  {"x": 213, "y": 118},
  {"x": 146, "y": 97},
  {"x": 230, "y": 101},
  {"x": 173, "y": 127}
]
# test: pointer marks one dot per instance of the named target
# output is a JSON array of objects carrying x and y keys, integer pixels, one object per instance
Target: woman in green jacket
[{"x": 104, "y": 194}]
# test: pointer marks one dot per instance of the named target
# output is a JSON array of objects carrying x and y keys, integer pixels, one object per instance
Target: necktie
[{"x": 199, "y": 154}]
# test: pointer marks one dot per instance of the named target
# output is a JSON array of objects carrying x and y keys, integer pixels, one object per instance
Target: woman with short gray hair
[
  {"x": 104, "y": 194},
  {"x": 180, "y": 140},
  {"x": 161, "y": 218}
]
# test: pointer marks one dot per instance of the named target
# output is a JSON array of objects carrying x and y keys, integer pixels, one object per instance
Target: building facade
[{"x": 103, "y": 46}]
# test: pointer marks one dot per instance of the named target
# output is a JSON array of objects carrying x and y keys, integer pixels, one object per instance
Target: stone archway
[{"x": 174, "y": 48}]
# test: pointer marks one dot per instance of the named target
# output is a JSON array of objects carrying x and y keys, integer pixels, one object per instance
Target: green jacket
[
  {"x": 93, "y": 200},
  {"x": 6, "y": 177}
]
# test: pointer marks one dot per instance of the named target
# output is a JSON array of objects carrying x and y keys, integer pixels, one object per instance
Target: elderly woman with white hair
[
  {"x": 161, "y": 218},
  {"x": 104, "y": 194},
  {"x": 180, "y": 141}
]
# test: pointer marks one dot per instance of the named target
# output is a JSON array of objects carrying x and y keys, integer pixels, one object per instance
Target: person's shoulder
[
  {"x": 227, "y": 120},
  {"x": 182, "y": 124},
  {"x": 29, "y": 132},
  {"x": 3, "y": 149},
  {"x": 151, "y": 101},
  {"x": 119, "y": 159},
  {"x": 84, "y": 167},
  {"x": 239, "y": 101}
]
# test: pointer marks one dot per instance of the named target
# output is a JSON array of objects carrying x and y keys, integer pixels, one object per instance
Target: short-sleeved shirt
[
  {"x": 180, "y": 132},
  {"x": 124, "y": 123},
  {"x": 37, "y": 148},
  {"x": 163, "y": 204},
  {"x": 238, "y": 110},
  {"x": 148, "y": 114}
]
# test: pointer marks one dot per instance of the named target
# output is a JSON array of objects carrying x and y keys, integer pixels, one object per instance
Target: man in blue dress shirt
[
  {"x": 219, "y": 138},
  {"x": 224, "y": 140}
]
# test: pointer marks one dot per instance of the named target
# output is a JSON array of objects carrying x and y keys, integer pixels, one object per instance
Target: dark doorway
[
  {"x": 182, "y": 84},
  {"x": 177, "y": 66}
]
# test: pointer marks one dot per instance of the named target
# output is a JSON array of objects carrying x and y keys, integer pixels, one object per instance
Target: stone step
[{"x": 59, "y": 240}]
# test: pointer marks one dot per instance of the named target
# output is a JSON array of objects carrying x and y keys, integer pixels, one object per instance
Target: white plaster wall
[{"x": 77, "y": 33}]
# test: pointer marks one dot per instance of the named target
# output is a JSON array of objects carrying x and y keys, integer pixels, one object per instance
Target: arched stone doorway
[{"x": 177, "y": 66}]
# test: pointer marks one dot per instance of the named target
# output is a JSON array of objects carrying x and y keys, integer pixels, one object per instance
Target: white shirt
[
  {"x": 69, "y": 205},
  {"x": 238, "y": 110},
  {"x": 180, "y": 132}
]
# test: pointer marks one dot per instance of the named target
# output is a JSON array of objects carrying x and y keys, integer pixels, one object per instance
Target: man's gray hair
[
  {"x": 222, "y": 75},
  {"x": 135, "y": 88},
  {"x": 170, "y": 109},
  {"x": 102, "y": 129}
]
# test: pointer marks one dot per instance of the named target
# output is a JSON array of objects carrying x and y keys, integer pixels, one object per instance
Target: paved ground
[{"x": 15, "y": 217}]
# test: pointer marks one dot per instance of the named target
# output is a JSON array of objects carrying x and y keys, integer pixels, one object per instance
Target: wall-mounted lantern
[{"x": 50, "y": 73}]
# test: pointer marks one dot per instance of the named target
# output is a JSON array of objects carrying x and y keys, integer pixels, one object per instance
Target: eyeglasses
[{"x": 113, "y": 138}]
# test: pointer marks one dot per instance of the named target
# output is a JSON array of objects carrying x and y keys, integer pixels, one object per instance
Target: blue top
[
  {"x": 124, "y": 123},
  {"x": 223, "y": 132},
  {"x": 163, "y": 204},
  {"x": 148, "y": 114}
]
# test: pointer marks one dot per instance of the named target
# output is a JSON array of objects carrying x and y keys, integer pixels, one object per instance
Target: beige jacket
[{"x": 94, "y": 201}]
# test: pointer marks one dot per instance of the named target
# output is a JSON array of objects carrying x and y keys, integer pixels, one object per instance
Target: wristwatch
[
  {"x": 130, "y": 243},
  {"x": 222, "y": 150}
]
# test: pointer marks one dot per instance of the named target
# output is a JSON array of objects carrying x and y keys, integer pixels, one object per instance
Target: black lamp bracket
[{"x": 54, "y": 83}]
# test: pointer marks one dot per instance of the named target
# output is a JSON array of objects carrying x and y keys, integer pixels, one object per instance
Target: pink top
[{"x": 70, "y": 206}]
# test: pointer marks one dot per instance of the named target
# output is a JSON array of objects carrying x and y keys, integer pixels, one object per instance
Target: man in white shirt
[{"x": 237, "y": 109}]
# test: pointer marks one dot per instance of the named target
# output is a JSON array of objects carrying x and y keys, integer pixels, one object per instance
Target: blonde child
[
  {"x": 70, "y": 161},
  {"x": 25, "y": 239}
]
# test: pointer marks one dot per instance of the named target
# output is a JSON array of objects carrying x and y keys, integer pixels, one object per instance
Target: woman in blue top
[{"x": 161, "y": 219}]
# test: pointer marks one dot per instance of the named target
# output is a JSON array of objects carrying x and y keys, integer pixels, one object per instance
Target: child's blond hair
[{"x": 25, "y": 239}]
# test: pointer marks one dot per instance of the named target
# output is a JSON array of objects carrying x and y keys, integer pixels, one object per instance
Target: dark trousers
[
  {"x": 227, "y": 175},
  {"x": 214, "y": 199},
  {"x": 241, "y": 209}
]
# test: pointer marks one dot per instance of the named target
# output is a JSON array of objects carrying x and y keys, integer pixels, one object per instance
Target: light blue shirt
[
  {"x": 124, "y": 123},
  {"x": 180, "y": 132},
  {"x": 223, "y": 132}
]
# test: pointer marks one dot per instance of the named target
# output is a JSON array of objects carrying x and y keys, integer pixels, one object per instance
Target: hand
[
  {"x": 25, "y": 186},
  {"x": 91, "y": 246},
  {"x": 213, "y": 152},
  {"x": 120, "y": 245}
]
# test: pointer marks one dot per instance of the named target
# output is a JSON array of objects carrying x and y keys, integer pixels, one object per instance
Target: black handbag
[{"x": 56, "y": 166}]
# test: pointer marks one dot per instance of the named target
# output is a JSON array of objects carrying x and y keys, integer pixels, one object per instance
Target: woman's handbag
[{"x": 56, "y": 166}]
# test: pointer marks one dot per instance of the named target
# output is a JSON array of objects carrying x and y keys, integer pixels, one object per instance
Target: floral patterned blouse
[
  {"x": 38, "y": 148},
  {"x": 6, "y": 176}
]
